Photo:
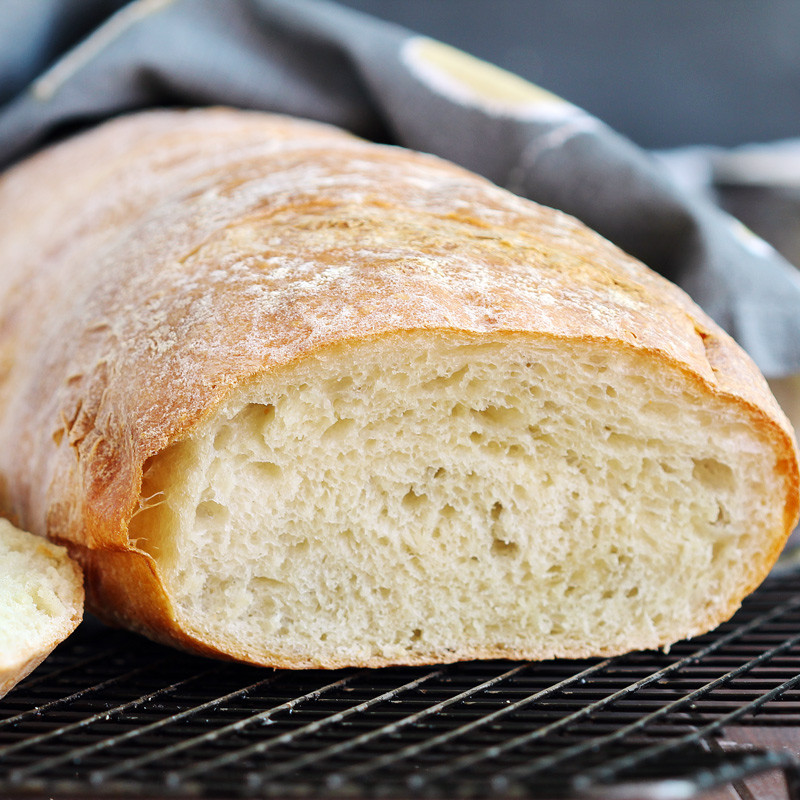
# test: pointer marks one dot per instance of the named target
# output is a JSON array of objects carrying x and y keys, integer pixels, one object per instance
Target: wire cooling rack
[{"x": 111, "y": 715}]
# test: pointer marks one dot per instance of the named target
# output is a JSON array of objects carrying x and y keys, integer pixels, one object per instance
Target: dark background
[{"x": 664, "y": 72}]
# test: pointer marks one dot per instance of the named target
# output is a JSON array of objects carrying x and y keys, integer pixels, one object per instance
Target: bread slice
[
  {"x": 310, "y": 402},
  {"x": 41, "y": 601}
]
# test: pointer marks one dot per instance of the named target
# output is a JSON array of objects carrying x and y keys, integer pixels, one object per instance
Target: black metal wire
[{"x": 112, "y": 715}]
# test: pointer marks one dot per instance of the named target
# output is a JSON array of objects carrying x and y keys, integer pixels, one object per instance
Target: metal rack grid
[{"x": 112, "y": 715}]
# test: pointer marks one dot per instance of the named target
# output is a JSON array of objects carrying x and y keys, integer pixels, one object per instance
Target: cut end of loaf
[
  {"x": 432, "y": 497},
  {"x": 41, "y": 601}
]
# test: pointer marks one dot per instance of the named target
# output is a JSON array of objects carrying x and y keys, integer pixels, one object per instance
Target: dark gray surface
[{"x": 666, "y": 74}]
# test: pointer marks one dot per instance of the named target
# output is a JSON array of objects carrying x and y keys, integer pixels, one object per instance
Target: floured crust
[{"x": 180, "y": 255}]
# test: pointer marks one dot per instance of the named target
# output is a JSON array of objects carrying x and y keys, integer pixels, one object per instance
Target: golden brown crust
[
  {"x": 10, "y": 677},
  {"x": 181, "y": 254}
]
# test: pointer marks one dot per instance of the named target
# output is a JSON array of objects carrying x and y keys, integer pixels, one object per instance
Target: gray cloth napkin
[{"x": 313, "y": 58}]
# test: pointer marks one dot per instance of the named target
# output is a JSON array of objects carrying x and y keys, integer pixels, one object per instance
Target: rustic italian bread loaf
[
  {"x": 41, "y": 601},
  {"x": 302, "y": 400}
]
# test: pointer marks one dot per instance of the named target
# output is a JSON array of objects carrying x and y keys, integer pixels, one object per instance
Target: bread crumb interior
[
  {"x": 436, "y": 497},
  {"x": 37, "y": 594}
]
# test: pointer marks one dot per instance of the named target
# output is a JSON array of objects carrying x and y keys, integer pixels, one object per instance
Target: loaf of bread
[
  {"x": 41, "y": 601},
  {"x": 306, "y": 401}
]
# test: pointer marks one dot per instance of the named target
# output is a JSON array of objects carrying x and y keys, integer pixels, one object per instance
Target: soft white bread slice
[
  {"x": 41, "y": 601},
  {"x": 306, "y": 401}
]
